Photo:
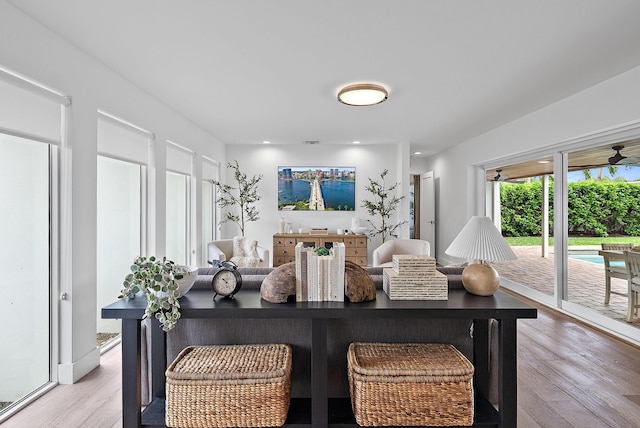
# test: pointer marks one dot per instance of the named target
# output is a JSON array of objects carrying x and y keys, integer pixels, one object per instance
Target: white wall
[
  {"x": 609, "y": 104},
  {"x": 369, "y": 161},
  {"x": 34, "y": 51}
]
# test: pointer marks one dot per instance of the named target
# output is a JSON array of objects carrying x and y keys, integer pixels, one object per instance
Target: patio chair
[
  {"x": 614, "y": 267},
  {"x": 632, "y": 260}
]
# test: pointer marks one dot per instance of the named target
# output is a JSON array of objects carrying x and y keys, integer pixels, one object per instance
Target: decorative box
[
  {"x": 427, "y": 287},
  {"x": 409, "y": 265}
]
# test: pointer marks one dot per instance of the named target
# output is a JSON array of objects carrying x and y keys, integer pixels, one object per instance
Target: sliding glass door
[
  {"x": 521, "y": 206},
  {"x": 26, "y": 265},
  {"x": 591, "y": 213}
]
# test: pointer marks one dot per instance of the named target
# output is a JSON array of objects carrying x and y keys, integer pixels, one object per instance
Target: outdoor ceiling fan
[
  {"x": 620, "y": 159},
  {"x": 499, "y": 176}
]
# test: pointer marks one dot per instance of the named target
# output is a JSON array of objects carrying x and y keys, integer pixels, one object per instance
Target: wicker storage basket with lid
[
  {"x": 229, "y": 386},
  {"x": 410, "y": 384}
]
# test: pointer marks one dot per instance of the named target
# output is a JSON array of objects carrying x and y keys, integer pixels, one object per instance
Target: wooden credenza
[{"x": 284, "y": 246}]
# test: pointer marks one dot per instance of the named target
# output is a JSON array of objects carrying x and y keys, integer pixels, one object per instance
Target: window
[
  {"x": 179, "y": 204},
  {"x": 119, "y": 198},
  {"x": 121, "y": 210},
  {"x": 25, "y": 253},
  {"x": 210, "y": 170},
  {"x": 32, "y": 139},
  {"x": 177, "y": 217}
]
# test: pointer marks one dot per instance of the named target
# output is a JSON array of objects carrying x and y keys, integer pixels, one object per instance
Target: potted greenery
[
  {"x": 162, "y": 282},
  {"x": 383, "y": 205},
  {"x": 247, "y": 196}
]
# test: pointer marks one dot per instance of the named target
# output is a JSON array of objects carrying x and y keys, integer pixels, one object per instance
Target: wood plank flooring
[{"x": 569, "y": 375}]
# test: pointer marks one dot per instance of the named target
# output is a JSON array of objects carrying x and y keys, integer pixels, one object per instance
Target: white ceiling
[{"x": 248, "y": 71}]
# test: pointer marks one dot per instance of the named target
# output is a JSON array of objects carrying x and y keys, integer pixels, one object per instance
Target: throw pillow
[
  {"x": 238, "y": 246},
  {"x": 245, "y": 253},
  {"x": 251, "y": 258}
]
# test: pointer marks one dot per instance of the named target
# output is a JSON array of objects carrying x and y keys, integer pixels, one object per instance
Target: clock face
[{"x": 224, "y": 282}]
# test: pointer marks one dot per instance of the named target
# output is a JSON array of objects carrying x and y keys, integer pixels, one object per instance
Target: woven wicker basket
[
  {"x": 229, "y": 386},
  {"x": 410, "y": 384}
]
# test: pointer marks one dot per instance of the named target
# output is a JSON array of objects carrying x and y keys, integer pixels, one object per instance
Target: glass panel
[
  {"x": 177, "y": 199},
  {"x": 118, "y": 233},
  {"x": 25, "y": 255},
  {"x": 412, "y": 200},
  {"x": 525, "y": 211},
  {"x": 603, "y": 199},
  {"x": 208, "y": 218}
]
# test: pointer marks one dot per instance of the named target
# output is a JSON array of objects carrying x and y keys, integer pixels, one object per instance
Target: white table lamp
[{"x": 480, "y": 241}]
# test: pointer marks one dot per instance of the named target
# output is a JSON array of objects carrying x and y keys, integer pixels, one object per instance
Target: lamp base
[{"x": 480, "y": 279}]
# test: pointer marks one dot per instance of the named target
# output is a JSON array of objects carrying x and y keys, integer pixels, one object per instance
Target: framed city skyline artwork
[{"x": 316, "y": 188}]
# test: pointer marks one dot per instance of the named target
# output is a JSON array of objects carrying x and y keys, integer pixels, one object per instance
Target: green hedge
[{"x": 596, "y": 208}]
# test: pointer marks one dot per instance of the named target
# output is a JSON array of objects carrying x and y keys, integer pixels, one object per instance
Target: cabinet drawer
[
  {"x": 278, "y": 242},
  {"x": 355, "y": 252},
  {"x": 357, "y": 241},
  {"x": 281, "y": 260},
  {"x": 284, "y": 251},
  {"x": 283, "y": 242},
  {"x": 360, "y": 261}
]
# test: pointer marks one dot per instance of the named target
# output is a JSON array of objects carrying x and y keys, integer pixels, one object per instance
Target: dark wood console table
[{"x": 321, "y": 410}]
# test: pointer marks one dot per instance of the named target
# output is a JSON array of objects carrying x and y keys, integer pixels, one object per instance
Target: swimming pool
[{"x": 593, "y": 258}]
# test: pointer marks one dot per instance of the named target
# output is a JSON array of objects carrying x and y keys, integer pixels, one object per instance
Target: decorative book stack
[
  {"x": 414, "y": 278},
  {"x": 320, "y": 278}
]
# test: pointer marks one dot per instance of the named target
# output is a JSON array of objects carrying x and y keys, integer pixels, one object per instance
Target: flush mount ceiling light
[{"x": 362, "y": 94}]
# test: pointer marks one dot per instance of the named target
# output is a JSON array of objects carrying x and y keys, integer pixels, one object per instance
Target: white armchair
[
  {"x": 242, "y": 251},
  {"x": 383, "y": 255}
]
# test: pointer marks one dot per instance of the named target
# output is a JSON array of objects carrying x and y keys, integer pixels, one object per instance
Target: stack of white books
[
  {"x": 320, "y": 278},
  {"x": 414, "y": 278}
]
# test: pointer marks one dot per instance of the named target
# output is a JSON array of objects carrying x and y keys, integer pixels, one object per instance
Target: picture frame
[{"x": 316, "y": 188}]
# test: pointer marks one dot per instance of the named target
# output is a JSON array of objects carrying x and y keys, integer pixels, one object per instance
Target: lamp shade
[{"x": 480, "y": 240}]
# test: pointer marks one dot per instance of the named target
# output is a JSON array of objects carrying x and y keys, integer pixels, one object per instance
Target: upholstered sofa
[{"x": 295, "y": 332}]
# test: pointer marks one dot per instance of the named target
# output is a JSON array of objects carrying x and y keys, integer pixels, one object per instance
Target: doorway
[{"x": 427, "y": 230}]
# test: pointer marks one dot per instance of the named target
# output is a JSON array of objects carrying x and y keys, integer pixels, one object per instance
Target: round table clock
[{"x": 227, "y": 281}]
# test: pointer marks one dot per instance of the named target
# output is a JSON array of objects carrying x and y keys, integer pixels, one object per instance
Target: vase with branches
[
  {"x": 383, "y": 204},
  {"x": 244, "y": 196}
]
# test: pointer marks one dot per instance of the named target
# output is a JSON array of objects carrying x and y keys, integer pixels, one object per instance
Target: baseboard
[{"x": 69, "y": 373}]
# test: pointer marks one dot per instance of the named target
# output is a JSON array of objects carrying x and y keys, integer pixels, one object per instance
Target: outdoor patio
[{"x": 586, "y": 281}]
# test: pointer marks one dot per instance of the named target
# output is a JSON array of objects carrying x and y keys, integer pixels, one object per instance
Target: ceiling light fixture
[
  {"x": 362, "y": 94},
  {"x": 356, "y": 142},
  {"x": 266, "y": 142}
]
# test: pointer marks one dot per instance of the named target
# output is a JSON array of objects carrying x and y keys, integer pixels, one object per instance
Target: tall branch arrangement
[
  {"x": 383, "y": 204},
  {"x": 245, "y": 195}
]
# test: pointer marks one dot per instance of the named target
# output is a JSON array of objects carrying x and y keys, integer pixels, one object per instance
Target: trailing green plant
[
  {"x": 244, "y": 196},
  {"x": 383, "y": 204},
  {"x": 157, "y": 279}
]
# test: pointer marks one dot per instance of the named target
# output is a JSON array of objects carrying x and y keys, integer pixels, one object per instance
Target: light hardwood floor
[{"x": 569, "y": 375}]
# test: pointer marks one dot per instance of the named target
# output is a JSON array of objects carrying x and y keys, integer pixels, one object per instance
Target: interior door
[{"x": 428, "y": 210}]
